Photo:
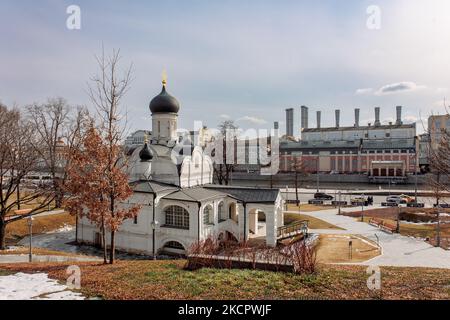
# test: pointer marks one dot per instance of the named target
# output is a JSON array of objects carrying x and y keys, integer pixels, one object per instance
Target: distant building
[
  {"x": 137, "y": 138},
  {"x": 377, "y": 150},
  {"x": 437, "y": 125}
]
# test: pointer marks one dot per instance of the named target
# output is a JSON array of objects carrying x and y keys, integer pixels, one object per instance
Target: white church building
[{"x": 180, "y": 205}]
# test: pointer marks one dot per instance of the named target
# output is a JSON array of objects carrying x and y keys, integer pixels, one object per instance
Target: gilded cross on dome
[{"x": 164, "y": 77}]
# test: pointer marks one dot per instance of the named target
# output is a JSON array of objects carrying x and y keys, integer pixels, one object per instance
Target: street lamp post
[
  {"x": 362, "y": 208},
  {"x": 339, "y": 207},
  {"x": 30, "y": 228},
  {"x": 397, "y": 229}
]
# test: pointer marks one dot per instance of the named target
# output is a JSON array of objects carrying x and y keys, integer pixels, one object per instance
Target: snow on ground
[{"x": 38, "y": 286}]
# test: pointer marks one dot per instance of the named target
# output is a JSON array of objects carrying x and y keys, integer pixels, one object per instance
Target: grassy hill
[{"x": 168, "y": 280}]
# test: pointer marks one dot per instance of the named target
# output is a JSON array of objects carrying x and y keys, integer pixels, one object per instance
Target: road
[{"x": 307, "y": 194}]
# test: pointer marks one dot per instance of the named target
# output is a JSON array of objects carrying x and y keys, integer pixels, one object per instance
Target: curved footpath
[{"x": 398, "y": 250}]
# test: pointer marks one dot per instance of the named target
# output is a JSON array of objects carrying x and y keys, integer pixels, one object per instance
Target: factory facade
[{"x": 382, "y": 151}]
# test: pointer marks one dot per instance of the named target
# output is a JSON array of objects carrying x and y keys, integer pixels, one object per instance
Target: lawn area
[
  {"x": 335, "y": 249},
  {"x": 308, "y": 207},
  {"x": 313, "y": 223},
  {"x": 30, "y": 205},
  {"x": 168, "y": 280},
  {"x": 18, "y": 229},
  {"x": 38, "y": 251},
  {"x": 415, "y": 229}
]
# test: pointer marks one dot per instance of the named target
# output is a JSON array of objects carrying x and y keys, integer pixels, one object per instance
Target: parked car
[
  {"x": 360, "y": 200},
  {"x": 407, "y": 199},
  {"x": 322, "y": 196},
  {"x": 395, "y": 199}
]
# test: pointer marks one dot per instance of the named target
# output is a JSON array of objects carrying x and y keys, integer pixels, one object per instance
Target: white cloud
[
  {"x": 363, "y": 91},
  {"x": 253, "y": 120},
  {"x": 398, "y": 87},
  {"x": 224, "y": 116}
]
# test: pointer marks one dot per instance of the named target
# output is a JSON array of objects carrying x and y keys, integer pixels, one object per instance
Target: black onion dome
[
  {"x": 146, "y": 154},
  {"x": 164, "y": 103}
]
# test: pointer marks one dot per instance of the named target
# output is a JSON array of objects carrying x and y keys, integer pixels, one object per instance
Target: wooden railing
[{"x": 292, "y": 229}]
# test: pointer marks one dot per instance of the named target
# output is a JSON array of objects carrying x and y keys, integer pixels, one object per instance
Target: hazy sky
[{"x": 245, "y": 60}]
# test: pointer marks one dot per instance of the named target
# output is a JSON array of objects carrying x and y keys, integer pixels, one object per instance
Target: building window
[
  {"x": 174, "y": 245},
  {"x": 177, "y": 217},
  {"x": 208, "y": 215},
  {"x": 135, "y": 221},
  {"x": 221, "y": 209},
  {"x": 388, "y": 134}
]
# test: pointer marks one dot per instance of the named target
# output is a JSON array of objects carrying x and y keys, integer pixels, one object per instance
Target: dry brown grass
[
  {"x": 30, "y": 205},
  {"x": 169, "y": 280},
  {"x": 18, "y": 229},
  {"x": 308, "y": 207},
  {"x": 313, "y": 223},
  {"x": 416, "y": 230},
  {"x": 39, "y": 251},
  {"x": 335, "y": 249}
]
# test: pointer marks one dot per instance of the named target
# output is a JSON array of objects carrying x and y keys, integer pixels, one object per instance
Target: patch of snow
[
  {"x": 23, "y": 286},
  {"x": 65, "y": 228}
]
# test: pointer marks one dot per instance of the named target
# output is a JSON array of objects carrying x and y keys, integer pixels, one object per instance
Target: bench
[
  {"x": 375, "y": 222},
  {"x": 442, "y": 205},
  {"x": 389, "y": 228},
  {"x": 415, "y": 205},
  {"x": 389, "y": 204},
  {"x": 315, "y": 201},
  {"x": 336, "y": 203}
]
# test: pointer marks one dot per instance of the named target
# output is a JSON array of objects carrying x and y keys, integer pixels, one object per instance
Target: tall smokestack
[
  {"x": 337, "y": 112},
  {"x": 304, "y": 117},
  {"x": 399, "y": 116},
  {"x": 356, "y": 117},
  {"x": 377, "y": 117},
  {"x": 276, "y": 125},
  {"x": 290, "y": 122},
  {"x": 318, "y": 119}
]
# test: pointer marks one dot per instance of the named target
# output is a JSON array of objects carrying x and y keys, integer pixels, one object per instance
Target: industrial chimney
[
  {"x": 399, "y": 116},
  {"x": 318, "y": 119},
  {"x": 377, "y": 117},
  {"x": 356, "y": 117},
  {"x": 304, "y": 117},
  {"x": 290, "y": 122},
  {"x": 338, "y": 115}
]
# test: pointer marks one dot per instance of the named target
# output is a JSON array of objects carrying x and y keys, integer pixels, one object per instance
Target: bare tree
[
  {"x": 58, "y": 128},
  {"x": 18, "y": 159},
  {"x": 107, "y": 89},
  {"x": 223, "y": 170}
]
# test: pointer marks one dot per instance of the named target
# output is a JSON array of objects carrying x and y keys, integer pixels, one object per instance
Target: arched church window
[
  {"x": 222, "y": 213},
  {"x": 177, "y": 217},
  {"x": 208, "y": 215}
]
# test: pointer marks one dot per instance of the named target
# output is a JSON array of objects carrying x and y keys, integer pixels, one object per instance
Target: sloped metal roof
[
  {"x": 247, "y": 194},
  {"x": 196, "y": 194},
  {"x": 152, "y": 186}
]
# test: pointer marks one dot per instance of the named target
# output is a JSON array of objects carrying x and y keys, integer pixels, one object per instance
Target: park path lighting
[
  {"x": 30, "y": 228},
  {"x": 362, "y": 208},
  {"x": 339, "y": 203},
  {"x": 154, "y": 226}
]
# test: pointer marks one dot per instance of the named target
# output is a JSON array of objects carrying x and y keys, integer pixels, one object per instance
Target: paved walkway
[
  {"x": 21, "y": 258},
  {"x": 398, "y": 250}
]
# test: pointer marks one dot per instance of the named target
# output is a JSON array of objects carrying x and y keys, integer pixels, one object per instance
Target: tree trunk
[
  {"x": 296, "y": 189},
  {"x": 2, "y": 233},
  {"x": 76, "y": 229},
  {"x": 112, "y": 250},
  {"x": 105, "y": 253}
]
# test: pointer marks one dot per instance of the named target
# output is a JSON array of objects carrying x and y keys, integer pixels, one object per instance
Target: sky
[{"x": 242, "y": 60}]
